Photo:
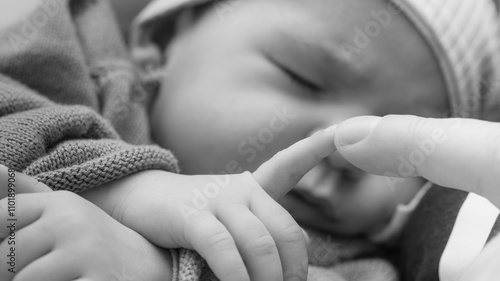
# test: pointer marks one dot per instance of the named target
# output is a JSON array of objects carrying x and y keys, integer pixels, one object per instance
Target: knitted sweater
[
  {"x": 71, "y": 106},
  {"x": 72, "y": 109}
]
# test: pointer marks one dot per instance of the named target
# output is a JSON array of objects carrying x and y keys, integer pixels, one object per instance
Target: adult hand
[
  {"x": 233, "y": 221},
  {"x": 456, "y": 153},
  {"x": 59, "y": 236}
]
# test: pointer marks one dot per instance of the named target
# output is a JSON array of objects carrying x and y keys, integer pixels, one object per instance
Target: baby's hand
[
  {"x": 242, "y": 232},
  {"x": 61, "y": 236}
]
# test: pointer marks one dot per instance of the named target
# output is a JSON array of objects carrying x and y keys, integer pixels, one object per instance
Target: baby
[
  {"x": 246, "y": 79},
  {"x": 238, "y": 86},
  {"x": 270, "y": 73}
]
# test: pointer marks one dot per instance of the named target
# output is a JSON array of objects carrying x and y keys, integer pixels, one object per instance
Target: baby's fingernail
[
  {"x": 355, "y": 130},
  {"x": 331, "y": 128},
  {"x": 327, "y": 130}
]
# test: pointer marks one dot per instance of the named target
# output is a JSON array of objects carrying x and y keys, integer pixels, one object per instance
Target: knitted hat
[{"x": 465, "y": 37}]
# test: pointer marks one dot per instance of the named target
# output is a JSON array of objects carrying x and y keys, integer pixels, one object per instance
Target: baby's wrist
[{"x": 116, "y": 196}]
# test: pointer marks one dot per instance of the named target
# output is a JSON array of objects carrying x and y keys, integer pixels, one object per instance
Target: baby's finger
[
  {"x": 456, "y": 153},
  {"x": 210, "y": 238},
  {"x": 55, "y": 266},
  {"x": 254, "y": 242},
  {"x": 286, "y": 232},
  {"x": 282, "y": 172},
  {"x": 12, "y": 182}
]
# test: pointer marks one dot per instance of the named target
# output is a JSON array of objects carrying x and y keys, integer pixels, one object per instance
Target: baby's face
[{"x": 249, "y": 78}]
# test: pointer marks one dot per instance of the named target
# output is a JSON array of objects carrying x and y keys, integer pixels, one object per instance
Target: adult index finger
[
  {"x": 282, "y": 172},
  {"x": 454, "y": 152}
]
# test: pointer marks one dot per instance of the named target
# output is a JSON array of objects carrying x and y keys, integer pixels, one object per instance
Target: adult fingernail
[{"x": 355, "y": 130}]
